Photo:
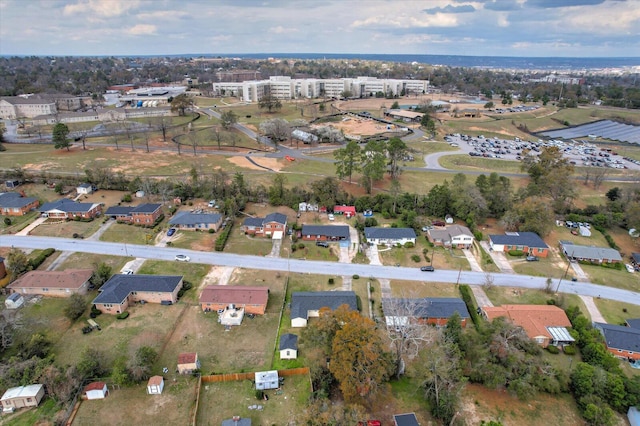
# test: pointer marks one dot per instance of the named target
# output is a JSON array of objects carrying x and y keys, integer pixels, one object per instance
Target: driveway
[
  {"x": 94, "y": 237},
  {"x": 374, "y": 259},
  {"x": 25, "y": 231},
  {"x": 498, "y": 258},
  {"x": 481, "y": 297},
  {"x": 578, "y": 272},
  {"x": 275, "y": 248},
  {"x": 473, "y": 262},
  {"x": 594, "y": 312}
]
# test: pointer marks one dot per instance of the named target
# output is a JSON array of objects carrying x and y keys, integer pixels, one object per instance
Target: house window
[
  {"x": 29, "y": 400},
  {"x": 619, "y": 350},
  {"x": 288, "y": 353}
]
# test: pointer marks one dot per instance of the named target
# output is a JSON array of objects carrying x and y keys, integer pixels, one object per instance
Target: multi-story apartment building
[{"x": 29, "y": 106}]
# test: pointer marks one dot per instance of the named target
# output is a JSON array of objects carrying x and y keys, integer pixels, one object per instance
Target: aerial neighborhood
[{"x": 236, "y": 241}]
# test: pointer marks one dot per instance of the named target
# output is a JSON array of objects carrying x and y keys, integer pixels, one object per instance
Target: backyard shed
[
  {"x": 288, "y": 346},
  {"x": 267, "y": 380},
  {"x": 96, "y": 390},
  {"x": 14, "y": 301},
  {"x": 155, "y": 385}
]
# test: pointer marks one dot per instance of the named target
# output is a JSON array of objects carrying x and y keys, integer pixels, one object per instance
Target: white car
[
  {"x": 182, "y": 258},
  {"x": 629, "y": 268},
  {"x": 331, "y": 217},
  {"x": 127, "y": 272}
]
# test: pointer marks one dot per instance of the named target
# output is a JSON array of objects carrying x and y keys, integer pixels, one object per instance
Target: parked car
[
  {"x": 171, "y": 231},
  {"x": 532, "y": 258},
  {"x": 127, "y": 271},
  {"x": 322, "y": 244},
  {"x": 629, "y": 268},
  {"x": 331, "y": 217},
  {"x": 182, "y": 258},
  {"x": 427, "y": 268}
]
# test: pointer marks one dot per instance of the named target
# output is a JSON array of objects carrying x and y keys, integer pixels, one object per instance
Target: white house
[
  {"x": 307, "y": 207},
  {"x": 288, "y": 346},
  {"x": 267, "y": 380},
  {"x": 14, "y": 301},
  {"x": 452, "y": 236},
  {"x": 96, "y": 390},
  {"x": 21, "y": 396},
  {"x": 155, "y": 385},
  {"x": 84, "y": 189},
  {"x": 389, "y": 236}
]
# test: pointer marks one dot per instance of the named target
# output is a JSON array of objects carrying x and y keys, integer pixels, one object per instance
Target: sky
[{"x": 545, "y": 28}]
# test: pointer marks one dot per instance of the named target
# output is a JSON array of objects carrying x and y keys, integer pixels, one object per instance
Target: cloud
[
  {"x": 466, "y": 8},
  {"x": 142, "y": 29},
  {"x": 502, "y": 5},
  {"x": 162, "y": 14},
  {"x": 102, "y": 8},
  {"x": 403, "y": 21},
  {"x": 546, "y": 4},
  {"x": 282, "y": 30}
]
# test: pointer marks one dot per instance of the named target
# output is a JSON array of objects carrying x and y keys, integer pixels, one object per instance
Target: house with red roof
[{"x": 348, "y": 211}]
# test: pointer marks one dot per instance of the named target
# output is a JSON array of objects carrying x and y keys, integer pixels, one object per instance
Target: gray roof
[
  {"x": 338, "y": 231},
  {"x": 408, "y": 419},
  {"x": 120, "y": 285},
  {"x": 435, "y": 307},
  {"x": 66, "y": 205},
  {"x": 634, "y": 323},
  {"x": 304, "y": 301},
  {"x": 260, "y": 221},
  {"x": 288, "y": 341},
  {"x": 242, "y": 422},
  {"x": 527, "y": 239},
  {"x": 14, "y": 297},
  {"x": 188, "y": 218},
  {"x": 85, "y": 185},
  {"x": 590, "y": 252},
  {"x": 450, "y": 231},
  {"x": 620, "y": 337},
  {"x": 636, "y": 257},
  {"x": 253, "y": 221},
  {"x": 146, "y": 208},
  {"x": 13, "y": 200},
  {"x": 119, "y": 211},
  {"x": 389, "y": 233}
]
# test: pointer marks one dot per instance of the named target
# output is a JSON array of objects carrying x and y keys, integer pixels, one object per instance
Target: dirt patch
[
  {"x": 271, "y": 163},
  {"x": 218, "y": 275},
  {"x": 356, "y": 126}
]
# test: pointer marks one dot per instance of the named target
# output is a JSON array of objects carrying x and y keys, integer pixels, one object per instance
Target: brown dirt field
[
  {"x": 359, "y": 126},
  {"x": 272, "y": 163}
]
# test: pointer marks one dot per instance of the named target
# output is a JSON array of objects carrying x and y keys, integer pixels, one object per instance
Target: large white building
[{"x": 282, "y": 87}]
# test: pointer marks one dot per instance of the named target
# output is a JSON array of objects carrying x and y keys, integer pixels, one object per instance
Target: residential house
[
  {"x": 456, "y": 236},
  {"x": 267, "y": 380},
  {"x": 237, "y": 421},
  {"x": 22, "y": 396},
  {"x": 546, "y": 324},
  {"x": 429, "y": 310},
  {"x": 14, "y": 301},
  {"x": 288, "y": 346},
  {"x": 408, "y": 419},
  {"x": 348, "y": 211},
  {"x": 590, "y": 253},
  {"x": 308, "y": 304},
  {"x": 85, "y": 189},
  {"x": 155, "y": 385},
  {"x": 188, "y": 362},
  {"x": 269, "y": 225},
  {"x": 622, "y": 342},
  {"x": 95, "y": 390},
  {"x": 3, "y": 268},
  {"x": 196, "y": 221},
  {"x": 527, "y": 242},
  {"x": 307, "y": 207},
  {"x": 144, "y": 214},
  {"x": 53, "y": 283},
  {"x": 389, "y": 236},
  {"x": 69, "y": 209},
  {"x": 633, "y": 323},
  {"x": 218, "y": 297},
  {"x": 121, "y": 290},
  {"x": 16, "y": 204},
  {"x": 325, "y": 232}
]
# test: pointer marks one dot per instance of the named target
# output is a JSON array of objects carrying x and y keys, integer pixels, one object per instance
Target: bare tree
[
  {"x": 598, "y": 177},
  {"x": 489, "y": 281},
  {"x": 548, "y": 286},
  {"x": 277, "y": 129},
  {"x": 407, "y": 334}
]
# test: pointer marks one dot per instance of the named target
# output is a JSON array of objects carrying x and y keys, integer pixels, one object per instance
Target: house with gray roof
[
  {"x": 429, "y": 310},
  {"x": 527, "y": 242},
  {"x": 69, "y": 209},
  {"x": 237, "y": 421},
  {"x": 122, "y": 290},
  {"x": 324, "y": 232},
  {"x": 15, "y": 204},
  {"x": 633, "y": 323},
  {"x": 590, "y": 253},
  {"x": 306, "y": 304},
  {"x": 146, "y": 214},
  {"x": 272, "y": 225},
  {"x": 456, "y": 236},
  {"x": 622, "y": 342},
  {"x": 196, "y": 221},
  {"x": 389, "y": 236},
  {"x": 288, "y": 346}
]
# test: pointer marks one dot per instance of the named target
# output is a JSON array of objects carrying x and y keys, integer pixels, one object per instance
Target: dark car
[
  {"x": 171, "y": 231},
  {"x": 427, "y": 268},
  {"x": 322, "y": 244},
  {"x": 532, "y": 258}
]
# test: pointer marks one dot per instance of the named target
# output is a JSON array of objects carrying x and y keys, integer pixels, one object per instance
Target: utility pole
[{"x": 565, "y": 273}]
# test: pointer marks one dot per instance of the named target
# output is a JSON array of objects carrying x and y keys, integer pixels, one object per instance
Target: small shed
[
  {"x": 14, "y": 301},
  {"x": 237, "y": 421},
  {"x": 448, "y": 219},
  {"x": 188, "y": 362},
  {"x": 84, "y": 188},
  {"x": 12, "y": 183},
  {"x": 96, "y": 390},
  {"x": 267, "y": 380},
  {"x": 288, "y": 346},
  {"x": 139, "y": 194},
  {"x": 155, "y": 385},
  {"x": 584, "y": 231}
]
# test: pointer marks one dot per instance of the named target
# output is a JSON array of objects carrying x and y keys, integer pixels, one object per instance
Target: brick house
[
  {"x": 527, "y": 242},
  {"x": 325, "y": 232},
  {"x": 53, "y": 283},
  {"x": 15, "y": 204},
  {"x": 265, "y": 226},
  {"x": 144, "y": 214},
  {"x": 69, "y": 209},
  {"x": 590, "y": 253},
  {"x": 122, "y": 290},
  {"x": 196, "y": 221},
  {"x": 252, "y": 299},
  {"x": 429, "y": 310},
  {"x": 621, "y": 341}
]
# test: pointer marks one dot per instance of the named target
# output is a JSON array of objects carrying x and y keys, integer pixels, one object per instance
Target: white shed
[
  {"x": 14, "y": 301},
  {"x": 584, "y": 231},
  {"x": 96, "y": 390},
  {"x": 84, "y": 188},
  {"x": 267, "y": 380},
  {"x": 155, "y": 385},
  {"x": 288, "y": 346}
]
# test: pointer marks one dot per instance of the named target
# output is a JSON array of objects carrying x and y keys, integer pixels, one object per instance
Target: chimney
[{"x": 236, "y": 419}]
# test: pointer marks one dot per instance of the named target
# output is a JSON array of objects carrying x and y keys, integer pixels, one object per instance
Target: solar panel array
[{"x": 606, "y": 129}]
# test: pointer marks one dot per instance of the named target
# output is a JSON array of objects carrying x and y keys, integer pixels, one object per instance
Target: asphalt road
[{"x": 314, "y": 267}]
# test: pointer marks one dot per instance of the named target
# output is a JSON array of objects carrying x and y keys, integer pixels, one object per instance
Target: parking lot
[{"x": 577, "y": 152}]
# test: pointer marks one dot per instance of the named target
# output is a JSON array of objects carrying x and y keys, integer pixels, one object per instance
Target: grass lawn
[
  {"x": 442, "y": 258},
  {"x": 476, "y": 164},
  {"x": 509, "y": 295},
  {"x": 612, "y": 277},
  {"x": 46, "y": 316},
  {"x": 42, "y": 415},
  {"x": 67, "y": 229},
  {"x": 194, "y": 240},
  {"x": 310, "y": 251},
  {"x": 240, "y": 243},
  {"x": 617, "y": 312},
  {"x": 192, "y": 272},
  {"x": 419, "y": 289},
  {"x": 18, "y": 223},
  {"x": 551, "y": 267},
  {"x": 124, "y": 233},
  {"x": 132, "y": 405},
  {"x": 221, "y": 401},
  {"x": 91, "y": 260}
]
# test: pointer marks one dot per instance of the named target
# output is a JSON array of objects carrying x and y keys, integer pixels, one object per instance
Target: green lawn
[
  {"x": 509, "y": 295},
  {"x": 194, "y": 240},
  {"x": 18, "y": 223},
  {"x": 42, "y": 415},
  {"x": 240, "y": 243},
  {"x": 310, "y": 251},
  {"x": 128, "y": 233},
  {"x": 67, "y": 229},
  {"x": 192, "y": 272},
  {"x": 617, "y": 312}
]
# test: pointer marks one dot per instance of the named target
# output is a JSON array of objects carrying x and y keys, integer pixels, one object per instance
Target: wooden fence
[{"x": 231, "y": 377}]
